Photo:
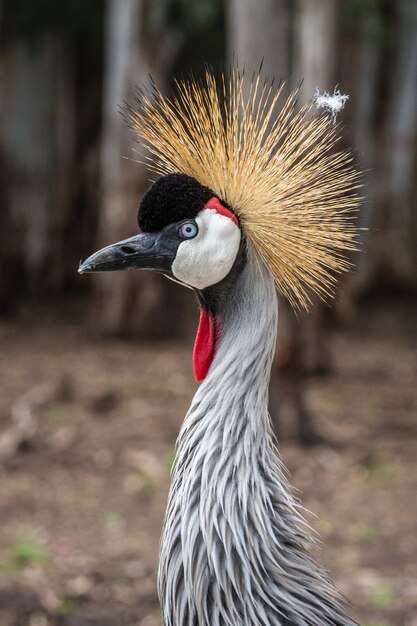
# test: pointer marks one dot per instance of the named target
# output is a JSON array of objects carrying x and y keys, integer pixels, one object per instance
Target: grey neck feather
[{"x": 234, "y": 548}]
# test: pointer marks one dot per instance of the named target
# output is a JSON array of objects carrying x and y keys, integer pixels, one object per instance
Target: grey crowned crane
[{"x": 252, "y": 196}]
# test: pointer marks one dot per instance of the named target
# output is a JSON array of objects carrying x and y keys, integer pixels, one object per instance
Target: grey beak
[{"x": 145, "y": 251}]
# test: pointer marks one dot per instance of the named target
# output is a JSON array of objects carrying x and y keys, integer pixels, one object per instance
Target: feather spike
[{"x": 274, "y": 164}]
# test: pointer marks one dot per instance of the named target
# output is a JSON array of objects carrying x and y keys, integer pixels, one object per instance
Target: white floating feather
[{"x": 332, "y": 103}]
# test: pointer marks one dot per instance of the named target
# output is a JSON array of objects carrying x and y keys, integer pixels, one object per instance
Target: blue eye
[{"x": 188, "y": 230}]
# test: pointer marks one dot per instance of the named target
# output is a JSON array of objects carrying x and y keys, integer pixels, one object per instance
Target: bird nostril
[{"x": 127, "y": 249}]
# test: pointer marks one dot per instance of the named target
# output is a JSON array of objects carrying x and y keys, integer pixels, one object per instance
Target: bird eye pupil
[{"x": 188, "y": 230}]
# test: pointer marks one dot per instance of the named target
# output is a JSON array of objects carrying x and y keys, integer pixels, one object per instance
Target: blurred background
[{"x": 96, "y": 371}]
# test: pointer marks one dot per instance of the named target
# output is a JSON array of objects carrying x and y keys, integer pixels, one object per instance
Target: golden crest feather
[{"x": 274, "y": 165}]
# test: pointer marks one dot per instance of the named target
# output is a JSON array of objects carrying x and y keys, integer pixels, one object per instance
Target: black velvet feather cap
[{"x": 172, "y": 198}]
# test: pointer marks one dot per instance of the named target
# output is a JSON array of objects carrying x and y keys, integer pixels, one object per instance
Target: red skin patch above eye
[{"x": 215, "y": 204}]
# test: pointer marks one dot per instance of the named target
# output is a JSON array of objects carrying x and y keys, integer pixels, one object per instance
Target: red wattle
[{"x": 205, "y": 345}]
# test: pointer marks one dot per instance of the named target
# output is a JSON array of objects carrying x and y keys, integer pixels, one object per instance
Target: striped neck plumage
[{"x": 233, "y": 551}]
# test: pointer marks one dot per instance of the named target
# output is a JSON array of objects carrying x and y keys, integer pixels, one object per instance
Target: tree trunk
[
  {"x": 362, "y": 65},
  {"x": 37, "y": 118},
  {"x": 135, "y": 301},
  {"x": 400, "y": 147},
  {"x": 259, "y": 31},
  {"x": 316, "y": 49},
  {"x": 316, "y": 52}
]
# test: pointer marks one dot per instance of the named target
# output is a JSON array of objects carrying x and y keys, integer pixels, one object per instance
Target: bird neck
[
  {"x": 235, "y": 391},
  {"x": 232, "y": 552}
]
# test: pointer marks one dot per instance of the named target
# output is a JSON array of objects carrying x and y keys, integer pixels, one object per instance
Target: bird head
[
  {"x": 238, "y": 168},
  {"x": 186, "y": 233}
]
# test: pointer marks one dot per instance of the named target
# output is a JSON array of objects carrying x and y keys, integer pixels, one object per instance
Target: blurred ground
[{"x": 82, "y": 501}]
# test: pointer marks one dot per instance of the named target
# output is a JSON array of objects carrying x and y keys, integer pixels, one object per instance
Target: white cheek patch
[{"x": 209, "y": 257}]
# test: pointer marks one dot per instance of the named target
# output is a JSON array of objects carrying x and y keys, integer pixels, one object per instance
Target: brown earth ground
[{"x": 82, "y": 501}]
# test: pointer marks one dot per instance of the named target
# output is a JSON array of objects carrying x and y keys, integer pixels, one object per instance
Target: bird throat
[
  {"x": 212, "y": 302},
  {"x": 205, "y": 344}
]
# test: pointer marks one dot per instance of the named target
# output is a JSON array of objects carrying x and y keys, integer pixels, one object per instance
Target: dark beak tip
[{"x": 83, "y": 267}]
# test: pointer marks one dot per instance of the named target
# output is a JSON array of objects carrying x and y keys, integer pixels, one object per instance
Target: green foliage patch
[{"x": 27, "y": 551}]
